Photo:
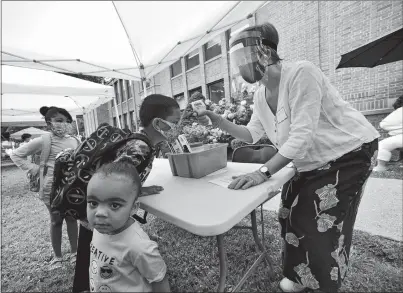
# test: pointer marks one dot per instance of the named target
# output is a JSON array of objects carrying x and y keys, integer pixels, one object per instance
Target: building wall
[
  {"x": 321, "y": 31},
  {"x": 317, "y": 31},
  {"x": 103, "y": 114}
]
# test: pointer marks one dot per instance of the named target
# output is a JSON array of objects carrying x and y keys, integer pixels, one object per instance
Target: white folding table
[{"x": 207, "y": 209}]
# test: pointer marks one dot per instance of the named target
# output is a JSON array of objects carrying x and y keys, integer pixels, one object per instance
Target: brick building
[{"x": 318, "y": 31}]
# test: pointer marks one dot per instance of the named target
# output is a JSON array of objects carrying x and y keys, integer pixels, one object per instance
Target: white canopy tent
[
  {"x": 25, "y": 90},
  {"x": 121, "y": 39},
  {"x": 35, "y": 132}
]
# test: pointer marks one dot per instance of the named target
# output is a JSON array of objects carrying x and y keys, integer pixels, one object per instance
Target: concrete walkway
[{"x": 380, "y": 211}]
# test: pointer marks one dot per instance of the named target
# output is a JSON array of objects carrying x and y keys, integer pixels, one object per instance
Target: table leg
[
  {"x": 257, "y": 241},
  {"x": 223, "y": 263}
]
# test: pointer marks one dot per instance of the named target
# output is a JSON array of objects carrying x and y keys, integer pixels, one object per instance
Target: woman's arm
[
  {"x": 250, "y": 133},
  {"x": 237, "y": 131},
  {"x": 19, "y": 156}
]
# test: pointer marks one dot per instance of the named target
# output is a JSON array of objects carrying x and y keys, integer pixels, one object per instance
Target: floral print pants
[{"x": 317, "y": 216}]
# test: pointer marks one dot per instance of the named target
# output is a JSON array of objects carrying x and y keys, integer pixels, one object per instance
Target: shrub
[{"x": 239, "y": 111}]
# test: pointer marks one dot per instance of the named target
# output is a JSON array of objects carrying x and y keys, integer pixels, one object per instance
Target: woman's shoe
[
  {"x": 286, "y": 285},
  {"x": 380, "y": 169}
]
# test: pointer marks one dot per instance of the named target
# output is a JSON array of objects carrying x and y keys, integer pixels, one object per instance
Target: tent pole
[
  {"x": 135, "y": 105},
  {"x": 116, "y": 111},
  {"x": 143, "y": 79}
]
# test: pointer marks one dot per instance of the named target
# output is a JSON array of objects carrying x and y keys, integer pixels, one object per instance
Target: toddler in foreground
[{"x": 123, "y": 258}]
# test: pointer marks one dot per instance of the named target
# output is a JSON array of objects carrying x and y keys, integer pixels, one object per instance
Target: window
[
  {"x": 191, "y": 92},
  {"x": 124, "y": 92},
  {"x": 216, "y": 91},
  {"x": 176, "y": 68},
  {"x": 121, "y": 93},
  {"x": 121, "y": 121},
  {"x": 212, "y": 48},
  {"x": 117, "y": 92},
  {"x": 115, "y": 124},
  {"x": 192, "y": 60},
  {"x": 181, "y": 100},
  {"x": 131, "y": 92},
  {"x": 131, "y": 117},
  {"x": 124, "y": 125}
]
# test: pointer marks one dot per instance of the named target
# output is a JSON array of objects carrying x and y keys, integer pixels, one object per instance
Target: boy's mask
[
  {"x": 249, "y": 53},
  {"x": 167, "y": 129}
]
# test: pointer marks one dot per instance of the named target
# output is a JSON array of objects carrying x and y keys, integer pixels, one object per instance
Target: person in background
[
  {"x": 7, "y": 145},
  {"x": 26, "y": 138},
  {"x": 153, "y": 106},
  {"x": 58, "y": 121},
  {"x": 331, "y": 145},
  {"x": 132, "y": 262},
  {"x": 5, "y": 138},
  {"x": 393, "y": 124}
]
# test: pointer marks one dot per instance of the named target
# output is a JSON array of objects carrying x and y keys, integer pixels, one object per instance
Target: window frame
[
  {"x": 197, "y": 89},
  {"x": 176, "y": 99},
  {"x": 171, "y": 67},
  {"x": 117, "y": 92},
  {"x": 192, "y": 56},
  {"x": 124, "y": 90},
  {"x": 125, "y": 120},
  {"x": 207, "y": 46},
  {"x": 131, "y": 118},
  {"x": 214, "y": 83}
]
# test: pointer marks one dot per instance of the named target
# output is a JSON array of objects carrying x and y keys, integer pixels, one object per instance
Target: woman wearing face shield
[{"x": 332, "y": 146}]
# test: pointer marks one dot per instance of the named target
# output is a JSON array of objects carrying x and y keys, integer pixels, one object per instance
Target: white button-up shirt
[{"x": 313, "y": 124}]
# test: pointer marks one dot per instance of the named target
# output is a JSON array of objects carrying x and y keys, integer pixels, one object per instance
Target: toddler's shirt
[{"x": 126, "y": 262}]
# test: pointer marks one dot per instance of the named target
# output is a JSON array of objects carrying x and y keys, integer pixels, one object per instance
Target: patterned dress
[{"x": 317, "y": 216}]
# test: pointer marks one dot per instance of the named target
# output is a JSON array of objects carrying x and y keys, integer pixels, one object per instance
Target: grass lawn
[{"x": 376, "y": 262}]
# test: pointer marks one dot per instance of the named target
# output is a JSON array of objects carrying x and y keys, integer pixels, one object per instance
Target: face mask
[
  {"x": 167, "y": 129},
  {"x": 249, "y": 55},
  {"x": 61, "y": 128}
]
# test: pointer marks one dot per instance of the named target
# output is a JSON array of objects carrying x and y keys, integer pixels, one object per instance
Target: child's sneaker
[
  {"x": 71, "y": 257},
  {"x": 56, "y": 263},
  {"x": 286, "y": 285}
]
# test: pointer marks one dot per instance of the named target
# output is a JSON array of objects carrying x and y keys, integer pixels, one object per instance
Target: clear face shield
[{"x": 249, "y": 55}]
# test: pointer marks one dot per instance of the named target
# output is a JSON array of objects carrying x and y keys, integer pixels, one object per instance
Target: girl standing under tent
[
  {"x": 332, "y": 146},
  {"x": 58, "y": 121}
]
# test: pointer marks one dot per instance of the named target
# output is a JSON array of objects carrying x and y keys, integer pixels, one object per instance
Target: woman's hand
[
  {"x": 149, "y": 190},
  {"x": 204, "y": 115},
  {"x": 248, "y": 180}
]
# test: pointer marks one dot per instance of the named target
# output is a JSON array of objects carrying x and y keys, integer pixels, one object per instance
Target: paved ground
[{"x": 380, "y": 211}]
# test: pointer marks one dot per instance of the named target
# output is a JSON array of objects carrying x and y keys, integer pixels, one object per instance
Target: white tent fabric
[
  {"x": 113, "y": 39},
  {"x": 35, "y": 132},
  {"x": 24, "y": 91},
  {"x": 29, "y": 81}
]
